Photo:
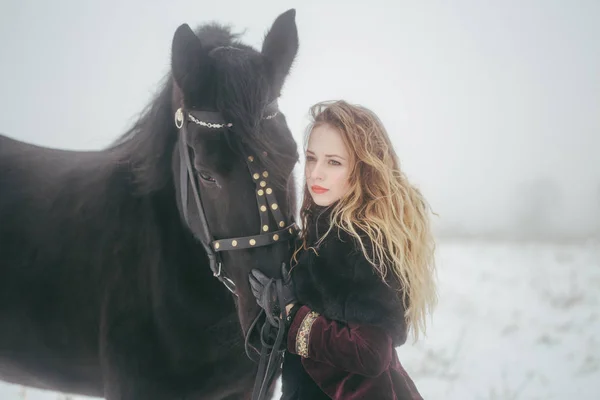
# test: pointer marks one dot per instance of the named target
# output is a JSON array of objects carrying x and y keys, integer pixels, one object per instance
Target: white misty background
[{"x": 494, "y": 109}]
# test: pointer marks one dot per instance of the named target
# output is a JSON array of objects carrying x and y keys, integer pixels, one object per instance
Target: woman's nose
[{"x": 317, "y": 172}]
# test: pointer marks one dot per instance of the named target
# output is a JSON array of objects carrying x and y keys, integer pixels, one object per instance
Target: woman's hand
[{"x": 268, "y": 299}]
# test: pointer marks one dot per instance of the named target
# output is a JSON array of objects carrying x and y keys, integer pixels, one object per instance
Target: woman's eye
[
  {"x": 206, "y": 176},
  {"x": 333, "y": 162}
]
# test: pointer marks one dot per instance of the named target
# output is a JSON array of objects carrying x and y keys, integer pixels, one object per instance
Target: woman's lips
[{"x": 318, "y": 189}]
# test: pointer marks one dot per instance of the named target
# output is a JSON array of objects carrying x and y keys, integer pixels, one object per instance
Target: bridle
[
  {"x": 271, "y": 353},
  {"x": 265, "y": 197}
]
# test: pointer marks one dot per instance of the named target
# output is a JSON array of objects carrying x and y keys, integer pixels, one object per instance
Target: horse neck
[{"x": 185, "y": 265}]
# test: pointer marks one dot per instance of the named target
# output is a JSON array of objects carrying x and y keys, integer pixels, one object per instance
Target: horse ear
[
  {"x": 281, "y": 46},
  {"x": 188, "y": 59}
]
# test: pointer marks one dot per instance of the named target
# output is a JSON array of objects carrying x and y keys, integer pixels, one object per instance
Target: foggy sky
[{"x": 494, "y": 108}]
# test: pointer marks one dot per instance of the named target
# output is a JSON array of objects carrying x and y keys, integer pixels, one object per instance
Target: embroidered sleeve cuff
[
  {"x": 304, "y": 334},
  {"x": 299, "y": 332}
]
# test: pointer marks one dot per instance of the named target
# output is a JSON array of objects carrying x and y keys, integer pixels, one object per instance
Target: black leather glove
[{"x": 265, "y": 290}]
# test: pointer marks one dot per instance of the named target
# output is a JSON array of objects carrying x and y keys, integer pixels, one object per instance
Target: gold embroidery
[{"x": 304, "y": 333}]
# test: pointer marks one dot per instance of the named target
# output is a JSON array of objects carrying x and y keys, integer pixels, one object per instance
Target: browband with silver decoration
[{"x": 217, "y": 120}]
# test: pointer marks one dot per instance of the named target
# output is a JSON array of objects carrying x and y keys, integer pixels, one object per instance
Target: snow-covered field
[{"x": 515, "y": 321}]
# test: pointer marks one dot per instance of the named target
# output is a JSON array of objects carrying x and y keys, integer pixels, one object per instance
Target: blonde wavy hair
[{"x": 383, "y": 205}]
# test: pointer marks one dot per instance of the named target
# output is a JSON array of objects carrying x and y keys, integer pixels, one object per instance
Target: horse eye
[{"x": 206, "y": 176}]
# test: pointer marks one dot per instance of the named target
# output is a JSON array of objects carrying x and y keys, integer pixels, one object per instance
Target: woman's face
[{"x": 327, "y": 167}]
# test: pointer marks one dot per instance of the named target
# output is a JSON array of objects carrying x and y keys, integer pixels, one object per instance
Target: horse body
[
  {"x": 46, "y": 287},
  {"x": 104, "y": 289},
  {"x": 73, "y": 281},
  {"x": 41, "y": 339}
]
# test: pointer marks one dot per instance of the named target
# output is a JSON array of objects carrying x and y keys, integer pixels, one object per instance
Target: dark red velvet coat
[{"x": 346, "y": 327}]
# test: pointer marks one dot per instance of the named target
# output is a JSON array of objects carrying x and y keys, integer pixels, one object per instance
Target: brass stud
[
  {"x": 263, "y": 208},
  {"x": 265, "y": 174},
  {"x": 281, "y": 224},
  {"x": 290, "y": 230},
  {"x": 234, "y": 243},
  {"x": 260, "y": 192},
  {"x": 256, "y": 176},
  {"x": 250, "y": 158},
  {"x": 217, "y": 245},
  {"x": 265, "y": 228},
  {"x": 252, "y": 242},
  {"x": 275, "y": 237},
  {"x": 269, "y": 190},
  {"x": 262, "y": 183},
  {"x": 274, "y": 206}
]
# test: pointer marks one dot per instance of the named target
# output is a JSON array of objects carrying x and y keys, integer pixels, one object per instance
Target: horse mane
[
  {"x": 146, "y": 146},
  {"x": 214, "y": 34}
]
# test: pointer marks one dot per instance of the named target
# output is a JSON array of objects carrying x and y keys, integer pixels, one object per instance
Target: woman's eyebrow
[{"x": 327, "y": 155}]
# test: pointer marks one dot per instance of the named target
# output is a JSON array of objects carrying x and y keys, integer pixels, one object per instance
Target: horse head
[{"x": 235, "y": 153}]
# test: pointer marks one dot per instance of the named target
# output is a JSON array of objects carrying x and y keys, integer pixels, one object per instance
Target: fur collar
[{"x": 341, "y": 284}]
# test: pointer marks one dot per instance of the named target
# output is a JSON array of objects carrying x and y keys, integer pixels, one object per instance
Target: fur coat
[{"x": 345, "y": 327}]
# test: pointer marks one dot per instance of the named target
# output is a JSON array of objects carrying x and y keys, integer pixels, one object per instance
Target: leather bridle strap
[
  {"x": 272, "y": 348},
  {"x": 187, "y": 176}
]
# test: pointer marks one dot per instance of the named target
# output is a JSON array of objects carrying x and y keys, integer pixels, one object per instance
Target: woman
[{"x": 363, "y": 272}]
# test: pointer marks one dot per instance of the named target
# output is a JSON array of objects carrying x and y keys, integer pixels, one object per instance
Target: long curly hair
[{"x": 382, "y": 205}]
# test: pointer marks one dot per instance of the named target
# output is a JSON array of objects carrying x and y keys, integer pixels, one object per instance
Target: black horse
[{"x": 108, "y": 258}]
